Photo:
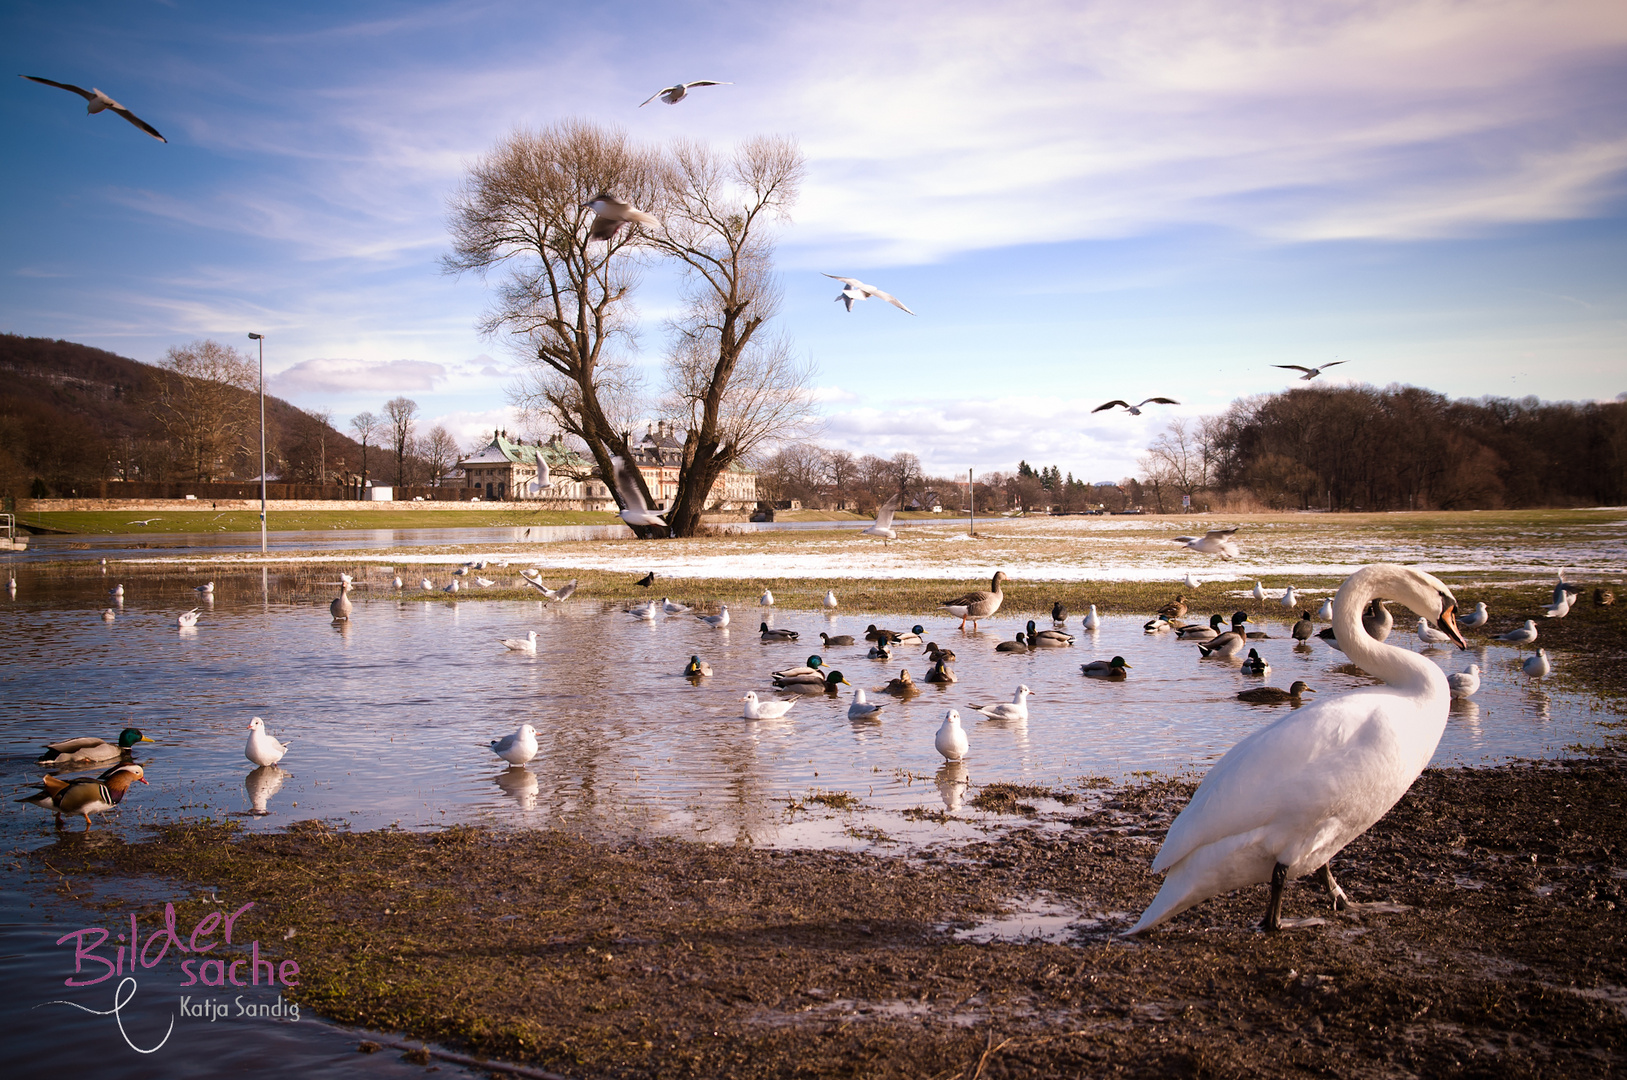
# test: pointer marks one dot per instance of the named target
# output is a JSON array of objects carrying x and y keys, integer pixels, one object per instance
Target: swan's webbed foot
[
  {"x": 1324, "y": 874},
  {"x": 1273, "y": 912}
]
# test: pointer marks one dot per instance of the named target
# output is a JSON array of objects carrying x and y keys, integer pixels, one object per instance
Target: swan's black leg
[
  {"x": 1325, "y": 876},
  {"x": 1273, "y": 912}
]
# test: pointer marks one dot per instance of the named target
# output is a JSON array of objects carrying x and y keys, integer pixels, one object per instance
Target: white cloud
[{"x": 321, "y": 376}]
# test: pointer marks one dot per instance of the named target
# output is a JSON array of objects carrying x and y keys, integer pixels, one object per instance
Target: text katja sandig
[{"x": 131, "y": 954}]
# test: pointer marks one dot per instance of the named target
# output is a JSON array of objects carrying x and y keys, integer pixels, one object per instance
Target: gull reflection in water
[
  {"x": 261, "y": 785},
  {"x": 519, "y": 784},
  {"x": 1466, "y": 712},
  {"x": 953, "y": 778}
]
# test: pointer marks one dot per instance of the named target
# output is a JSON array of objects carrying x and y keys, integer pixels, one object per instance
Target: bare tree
[
  {"x": 203, "y": 404},
  {"x": 841, "y": 472},
  {"x": 907, "y": 474},
  {"x": 365, "y": 426},
  {"x": 1179, "y": 458},
  {"x": 727, "y": 385},
  {"x": 440, "y": 452},
  {"x": 401, "y": 412},
  {"x": 521, "y": 210}
]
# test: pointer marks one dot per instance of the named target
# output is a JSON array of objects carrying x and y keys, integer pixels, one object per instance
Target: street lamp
[{"x": 261, "y": 338}]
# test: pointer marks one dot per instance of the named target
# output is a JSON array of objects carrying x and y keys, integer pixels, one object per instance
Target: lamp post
[{"x": 261, "y": 338}]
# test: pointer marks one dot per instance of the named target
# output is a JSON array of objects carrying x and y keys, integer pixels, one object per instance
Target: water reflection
[
  {"x": 953, "y": 779},
  {"x": 519, "y": 784},
  {"x": 261, "y": 784}
]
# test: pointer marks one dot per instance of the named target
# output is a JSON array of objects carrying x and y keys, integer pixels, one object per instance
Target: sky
[{"x": 1080, "y": 200}]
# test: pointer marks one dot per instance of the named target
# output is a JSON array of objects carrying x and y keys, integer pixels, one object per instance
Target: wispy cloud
[{"x": 323, "y": 376}]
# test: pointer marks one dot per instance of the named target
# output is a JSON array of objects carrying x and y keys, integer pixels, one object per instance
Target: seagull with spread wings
[
  {"x": 674, "y": 94},
  {"x": 100, "y": 102},
  {"x": 1135, "y": 410},
  {"x": 1310, "y": 372},
  {"x": 610, "y": 214},
  {"x": 854, "y": 289},
  {"x": 883, "y": 526},
  {"x": 637, "y": 511}
]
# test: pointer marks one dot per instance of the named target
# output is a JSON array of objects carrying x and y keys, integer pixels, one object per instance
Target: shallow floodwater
[{"x": 389, "y": 715}]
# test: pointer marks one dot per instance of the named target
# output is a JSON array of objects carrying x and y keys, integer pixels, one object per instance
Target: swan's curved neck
[{"x": 1397, "y": 667}]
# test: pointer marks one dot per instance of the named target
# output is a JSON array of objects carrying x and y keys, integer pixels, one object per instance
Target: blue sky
[{"x": 1081, "y": 200}]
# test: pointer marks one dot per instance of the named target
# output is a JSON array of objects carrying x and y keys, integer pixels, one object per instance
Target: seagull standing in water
[
  {"x": 854, "y": 289},
  {"x": 674, "y": 94},
  {"x": 100, "y": 102}
]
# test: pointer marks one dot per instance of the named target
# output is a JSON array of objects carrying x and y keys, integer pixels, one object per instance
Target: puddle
[{"x": 1034, "y": 920}]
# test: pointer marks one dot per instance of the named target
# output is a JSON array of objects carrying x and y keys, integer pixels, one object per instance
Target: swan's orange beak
[{"x": 1448, "y": 625}]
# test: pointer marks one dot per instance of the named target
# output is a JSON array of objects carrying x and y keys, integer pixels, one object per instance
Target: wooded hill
[{"x": 72, "y": 415}]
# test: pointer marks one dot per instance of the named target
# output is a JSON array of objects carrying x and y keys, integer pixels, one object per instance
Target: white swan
[
  {"x": 261, "y": 748},
  {"x": 1289, "y": 797},
  {"x": 1015, "y": 709},
  {"x": 772, "y": 709},
  {"x": 1464, "y": 684},
  {"x": 951, "y": 738}
]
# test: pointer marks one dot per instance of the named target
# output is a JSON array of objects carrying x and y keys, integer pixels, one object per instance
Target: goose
[
  {"x": 1287, "y": 798},
  {"x": 674, "y": 94},
  {"x": 766, "y": 600},
  {"x": 89, "y": 750},
  {"x": 1310, "y": 372},
  {"x": 108, "y": 615},
  {"x": 527, "y": 644},
  {"x": 1476, "y": 618},
  {"x": 827, "y": 685},
  {"x": 1377, "y": 620},
  {"x": 100, "y": 102},
  {"x": 718, "y": 621},
  {"x": 635, "y": 508},
  {"x": 426, "y": 584},
  {"x": 951, "y": 738},
  {"x": 903, "y": 686},
  {"x": 1015, "y": 709},
  {"x": 978, "y": 604},
  {"x": 1135, "y": 410},
  {"x": 671, "y": 607},
  {"x": 772, "y": 709},
  {"x": 940, "y": 672},
  {"x": 1191, "y": 581},
  {"x": 340, "y": 607},
  {"x": 1304, "y": 629},
  {"x": 1464, "y": 684},
  {"x": 879, "y": 651},
  {"x": 1325, "y": 612},
  {"x": 830, "y": 600},
  {"x": 1272, "y": 695},
  {"x": 1199, "y": 632},
  {"x": 1537, "y": 666},
  {"x": 518, "y": 748},
  {"x": 1115, "y": 668},
  {"x": 862, "y": 709},
  {"x": 1016, "y": 644},
  {"x": 609, "y": 215},
  {"x": 1059, "y": 614},
  {"x": 804, "y": 671},
  {"x": 1521, "y": 635},
  {"x": 1214, "y": 542},
  {"x": 261, "y": 748},
  {"x": 1093, "y": 621},
  {"x": 1431, "y": 636},
  {"x": 883, "y": 525},
  {"x": 1048, "y": 639},
  {"x": 188, "y": 619},
  {"x": 1255, "y": 664},
  {"x": 86, "y": 795},
  {"x": 769, "y": 634},
  {"x": 1288, "y": 599},
  {"x": 1175, "y": 608},
  {"x": 839, "y": 639},
  {"x": 697, "y": 668},
  {"x": 206, "y": 587},
  {"x": 854, "y": 290}
]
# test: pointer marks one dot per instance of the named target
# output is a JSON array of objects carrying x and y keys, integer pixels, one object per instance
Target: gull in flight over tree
[
  {"x": 637, "y": 511},
  {"x": 100, "y": 102},
  {"x": 854, "y": 289},
  {"x": 883, "y": 526},
  {"x": 1135, "y": 410},
  {"x": 610, "y": 214},
  {"x": 1310, "y": 372},
  {"x": 674, "y": 94}
]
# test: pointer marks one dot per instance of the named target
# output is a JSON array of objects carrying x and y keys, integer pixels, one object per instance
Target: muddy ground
[{"x": 1497, "y": 946}]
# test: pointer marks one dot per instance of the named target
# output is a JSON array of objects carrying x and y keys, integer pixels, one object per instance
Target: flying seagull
[
  {"x": 1310, "y": 372},
  {"x": 100, "y": 102},
  {"x": 1135, "y": 410},
  {"x": 883, "y": 526},
  {"x": 638, "y": 511},
  {"x": 858, "y": 290},
  {"x": 610, "y": 214},
  {"x": 674, "y": 94}
]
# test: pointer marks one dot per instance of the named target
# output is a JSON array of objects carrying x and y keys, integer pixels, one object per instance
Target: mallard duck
[
  {"x": 827, "y": 685},
  {"x": 772, "y": 709},
  {"x": 809, "y": 672},
  {"x": 88, "y": 751},
  {"x": 1273, "y": 695},
  {"x": 903, "y": 686},
  {"x": 839, "y": 639},
  {"x": 770, "y": 634},
  {"x": 879, "y": 651},
  {"x": 951, "y": 738},
  {"x": 261, "y": 748},
  {"x": 978, "y": 604},
  {"x": 862, "y": 709},
  {"x": 86, "y": 795},
  {"x": 1156, "y": 625},
  {"x": 1199, "y": 632},
  {"x": 1175, "y": 608},
  {"x": 1047, "y": 639},
  {"x": 934, "y": 653},
  {"x": 1106, "y": 669},
  {"x": 697, "y": 667},
  {"x": 1229, "y": 644},
  {"x": 1255, "y": 664},
  {"x": 872, "y": 633},
  {"x": 1304, "y": 629},
  {"x": 1093, "y": 621},
  {"x": 1016, "y": 644},
  {"x": 940, "y": 673},
  {"x": 912, "y": 636},
  {"x": 1015, "y": 709},
  {"x": 1059, "y": 613}
]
